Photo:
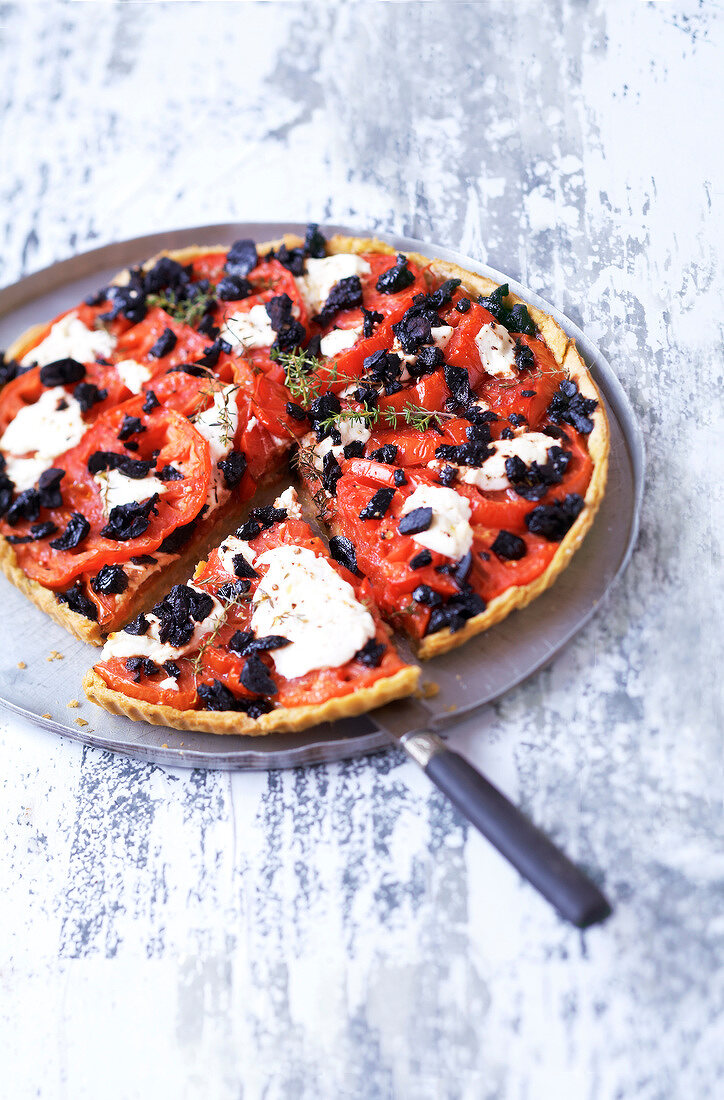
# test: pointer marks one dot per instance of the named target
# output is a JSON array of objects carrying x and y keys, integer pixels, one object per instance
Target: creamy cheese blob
[
  {"x": 133, "y": 374},
  {"x": 496, "y": 349},
  {"x": 450, "y": 532},
  {"x": 218, "y": 425},
  {"x": 115, "y": 488},
  {"x": 40, "y": 433},
  {"x": 123, "y": 644},
  {"x": 530, "y": 447},
  {"x": 441, "y": 335},
  {"x": 321, "y": 275},
  {"x": 69, "y": 338},
  {"x": 302, "y": 598},
  {"x": 250, "y": 329},
  {"x": 290, "y": 501},
  {"x": 229, "y": 549},
  {"x": 351, "y": 430},
  {"x": 339, "y": 340}
]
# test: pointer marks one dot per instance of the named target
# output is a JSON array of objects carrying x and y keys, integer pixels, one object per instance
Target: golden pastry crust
[{"x": 283, "y": 720}]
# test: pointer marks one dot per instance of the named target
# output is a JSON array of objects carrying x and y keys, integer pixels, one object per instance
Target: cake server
[{"x": 553, "y": 875}]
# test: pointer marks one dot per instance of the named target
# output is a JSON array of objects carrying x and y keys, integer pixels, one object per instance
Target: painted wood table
[{"x": 338, "y": 931}]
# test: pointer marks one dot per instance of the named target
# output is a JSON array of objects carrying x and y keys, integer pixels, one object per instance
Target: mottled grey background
[{"x": 338, "y": 932}]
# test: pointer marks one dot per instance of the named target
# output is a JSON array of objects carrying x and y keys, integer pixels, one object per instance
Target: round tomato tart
[
  {"x": 272, "y": 634},
  {"x": 447, "y": 435}
]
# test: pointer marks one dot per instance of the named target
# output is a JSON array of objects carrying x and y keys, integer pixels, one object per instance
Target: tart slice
[{"x": 271, "y": 634}]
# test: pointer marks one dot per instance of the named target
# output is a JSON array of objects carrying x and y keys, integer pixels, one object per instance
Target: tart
[{"x": 447, "y": 437}]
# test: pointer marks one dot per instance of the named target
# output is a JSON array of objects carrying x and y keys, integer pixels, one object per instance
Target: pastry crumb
[
  {"x": 74, "y": 703},
  {"x": 47, "y": 716},
  {"x": 452, "y": 707},
  {"x": 21, "y": 664},
  {"x": 164, "y": 745},
  {"x": 81, "y": 722},
  {"x": 428, "y": 689},
  {"x": 55, "y": 656}
]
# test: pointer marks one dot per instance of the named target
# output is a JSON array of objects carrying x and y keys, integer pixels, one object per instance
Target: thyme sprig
[
  {"x": 415, "y": 416},
  {"x": 186, "y": 310},
  {"x": 210, "y": 638}
]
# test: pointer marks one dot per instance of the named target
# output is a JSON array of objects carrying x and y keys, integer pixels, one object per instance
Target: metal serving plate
[{"x": 481, "y": 671}]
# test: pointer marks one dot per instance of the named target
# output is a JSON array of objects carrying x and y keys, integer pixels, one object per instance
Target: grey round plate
[{"x": 484, "y": 669}]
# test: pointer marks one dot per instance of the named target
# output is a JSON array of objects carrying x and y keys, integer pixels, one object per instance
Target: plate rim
[{"x": 54, "y": 276}]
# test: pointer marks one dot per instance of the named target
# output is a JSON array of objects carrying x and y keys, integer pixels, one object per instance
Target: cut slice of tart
[{"x": 271, "y": 634}]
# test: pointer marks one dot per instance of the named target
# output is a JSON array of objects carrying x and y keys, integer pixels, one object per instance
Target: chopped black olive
[
  {"x": 315, "y": 244},
  {"x": 396, "y": 278},
  {"x": 331, "y": 473},
  {"x": 151, "y": 402},
  {"x": 386, "y": 454},
  {"x": 166, "y": 274},
  {"x": 210, "y": 356},
  {"x": 143, "y": 559},
  {"x": 137, "y": 626},
  {"x": 296, "y": 411},
  {"x": 524, "y": 358},
  {"x": 217, "y": 697},
  {"x": 109, "y": 460},
  {"x": 25, "y": 506},
  {"x": 96, "y": 297},
  {"x": 420, "y": 560},
  {"x": 461, "y": 570},
  {"x": 355, "y": 449},
  {"x": 233, "y": 591},
  {"x": 170, "y": 473},
  {"x": 516, "y": 419},
  {"x": 527, "y": 393},
  {"x": 255, "y": 676},
  {"x": 233, "y": 467},
  {"x": 463, "y": 305},
  {"x": 131, "y": 426},
  {"x": 141, "y": 666},
  {"x": 290, "y": 333},
  {"x": 130, "y": 521},
  {"x": 570, "y": 406},
  {"x": 37, "y": 531},
  {"x": 241, "y": 258},
  {"x": 6, "y": 493},
  {"x": 165, "y": 343},
  {"x": 62, "y": 373},
  {"x": 553, "y": 521},
  {"x": 78, "y": 528},
  {"x": 532, "y": 482},
  {"x": 128, "y": 300},
  {"x": 207, "y": 326},
  {"x": 458, "y": 382},
  {"x": 242, "y": 568},
  {"x": 343, "y": 551},
  {"x": 346, "y": 294},
  {"x": 507, "y": 433},
  {"x": 456, "y": 611},
  {"x": 259, "y": 519},
  {"x": 427, "y": 596},
  {"x": 87, "y": 395},
  {"x": 176, "y": 541},
  {"x": 383, "y": 368},
  {"x": 519, "y": 320},
  {"x": 243, "y": 642},
  {"x": 196, "y": 370},
  {"x": 371, "y": 653},
  {"x": 448, "y": 475},
  {"x": 419, "y": 519},
  {"x": 172, "y": 669},
  {"x": 111, "y": 580},
  {"x": 179, "y": 611},
  {"x": 371, "y": 318},
  {"x": 377, "y": 507},
  {"x": 399, "y": 478},
  {"x": 509, "y": 547},
  {"x": 49, "y": 488},
  {"x": 233, "y": 288},
  {"x": 429, "y": 358},
  {"x": 77, "y": 601}
]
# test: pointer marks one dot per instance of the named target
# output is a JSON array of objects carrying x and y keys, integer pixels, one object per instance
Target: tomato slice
[
  {"x": 119, "y": 678},
  {"x": 178, "y": 444}
]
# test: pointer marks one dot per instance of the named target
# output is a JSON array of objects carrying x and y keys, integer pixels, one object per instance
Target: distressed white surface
[{"x": 338, "y": 931}]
